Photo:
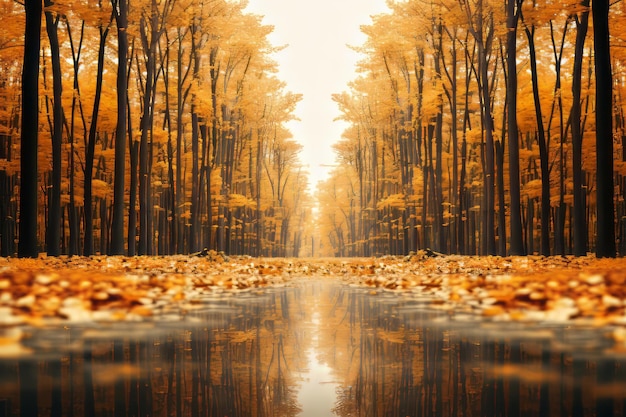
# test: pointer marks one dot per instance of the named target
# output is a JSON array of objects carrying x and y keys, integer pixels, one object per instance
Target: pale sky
[{"x": 317, "y": 63}]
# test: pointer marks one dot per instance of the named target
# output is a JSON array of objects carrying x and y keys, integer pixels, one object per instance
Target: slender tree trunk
[
  {"x": 132, "y": 211},
  {"x": 483, "y": 43},
  {"x": 605, "y": 242},
  {"x": 120, "y": 8},
  {"x": 558, "y": 214},
  {"x": 501, "y": 203},
  {"x": 53, "y": 226},
  {"x": 452, "y": 99},
  {"x": 195, "y": 181},
  {"x": 181, "y": 98},
  {"x": 73, "y": 214},
  {"x": 543, "y": 149},
  {"x": 580, "y": 220},
  {"x": 438, "y": 172},
  {"x": 168, "y": 198},
  {"x": 517, "y": 241},
  {"x": 150, "y": 34},
  {"x": 91, "y": 146},
  {"x": 27, "y": 246}
]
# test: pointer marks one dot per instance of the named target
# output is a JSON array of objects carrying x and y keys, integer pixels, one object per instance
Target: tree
[
  {"x": 53, "y": 225},
  {"x": 580, "y": 221},
  {"x": 517, "y": 243},
  {"x": 543, "y": 142},
  {"x": 605, "y": 242},
  {"x": 481, "y": 27},
  {"x": 28, "y": 246},
  {"x": 120, "y": 10},
  {"x": 103, "y": 27},
  {"x": 152, "y": 25}
]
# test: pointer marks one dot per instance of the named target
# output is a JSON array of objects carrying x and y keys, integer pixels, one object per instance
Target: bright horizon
[{"x": 317, "y": 63}]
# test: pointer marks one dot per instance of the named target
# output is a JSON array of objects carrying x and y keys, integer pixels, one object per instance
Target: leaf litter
[{"x": 584, "y": 290}]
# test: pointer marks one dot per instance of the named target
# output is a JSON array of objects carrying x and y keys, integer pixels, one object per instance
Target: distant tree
[
  {"x": 27, "y": 246},
  {"x": 605, "y": 242}
]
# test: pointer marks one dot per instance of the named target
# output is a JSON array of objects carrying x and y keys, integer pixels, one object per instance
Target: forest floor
[{"x": 101, "y": 288}]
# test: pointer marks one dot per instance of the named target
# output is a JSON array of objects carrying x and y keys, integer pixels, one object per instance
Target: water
[{"x": 316, "y": 348}]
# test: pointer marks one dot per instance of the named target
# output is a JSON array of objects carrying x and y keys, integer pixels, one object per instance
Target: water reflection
[{"x": 314, "y": 349}]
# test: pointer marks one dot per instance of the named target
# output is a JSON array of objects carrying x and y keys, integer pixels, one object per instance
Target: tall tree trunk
[
  {"x": 27, "y": 246},
  {"x": 543, "y": 148},
  {"x": 149, "y": 39},
  {"x": 91, "y": 146},
  {"x": 53, "y": 226},
  {"x": 120, "y": 8},
  {"x": 452, "y": 74},
  {"x": 605, "y": 243},
  {"x": 73, "y": 214},
  {"x": 559, "y": 212},
  {"x": 482, "y": 31},
  {"x": 167, "y": 236},
  {"x": 133, "y": 153},
  {"x": 580, "y": 219},
  {"x": 195, "y": 181},
  {"x": 181, "y": 98},
  {"x": 438, "y": 172},
  {"x": 517, "y": 241},
  {"x": 501, "y": 203}
]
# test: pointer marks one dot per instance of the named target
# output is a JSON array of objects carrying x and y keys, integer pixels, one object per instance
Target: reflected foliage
[
  {"x": 233, "y": 359},
  {"x": 410, "y": 361},
  {"x": 247, "y": 356}
]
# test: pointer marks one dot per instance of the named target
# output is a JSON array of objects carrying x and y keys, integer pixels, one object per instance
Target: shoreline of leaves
[{"x": 101, "y": 288}]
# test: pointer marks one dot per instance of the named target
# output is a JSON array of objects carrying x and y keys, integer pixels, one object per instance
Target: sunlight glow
[{"x": 317, "y": 63}]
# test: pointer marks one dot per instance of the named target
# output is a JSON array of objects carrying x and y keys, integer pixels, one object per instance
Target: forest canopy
[
  {"x": 467, "y": 135},
  {"x": 159, "y": 127}
]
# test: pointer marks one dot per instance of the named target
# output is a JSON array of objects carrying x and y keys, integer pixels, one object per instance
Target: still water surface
[{"x": 315, "y": 348}]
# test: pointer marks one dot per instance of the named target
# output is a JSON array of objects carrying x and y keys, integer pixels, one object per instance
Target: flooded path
[{"x": 313, "y": 348}]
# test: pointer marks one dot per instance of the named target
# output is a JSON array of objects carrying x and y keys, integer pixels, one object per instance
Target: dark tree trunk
[
  {"x": 501, "y": 203},
  {"x": 132, "y": 211},
  {"x": 488, "y": 205},
  {"x": 117, "y": 230},
  {"x": 517, "y": 241},
  {"x": 27, "y": 246},
  {"x": 580, "y": 220},
  {"x": 53, "y": 227},
  {"x": 73, "y": 211},
  {"x": 451, "y": 72},
  {"x": 150, "y": 33},
  {"x": 194, "y": 237},
  {"x": 605, "y": 242},
  {"x": 543, "y": 149},
  {"x": 91, "y": 146}
]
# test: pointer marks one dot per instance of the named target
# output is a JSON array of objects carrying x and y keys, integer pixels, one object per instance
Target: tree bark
[
  {"x": 91, "y": 146},
  {"x": 580, "y": 220},
  {"x": 516, "y": 239},
  {"x": 53, "y": 226},
  {"x": 543, "y": 149},
  {"x": 117, "y": 230},
  {"x": 27, "y": 246},
  {"x": 605, "y": 243}
]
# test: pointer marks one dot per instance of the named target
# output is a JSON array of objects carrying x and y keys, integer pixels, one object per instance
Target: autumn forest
[{"x": 157, "y": 127}]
